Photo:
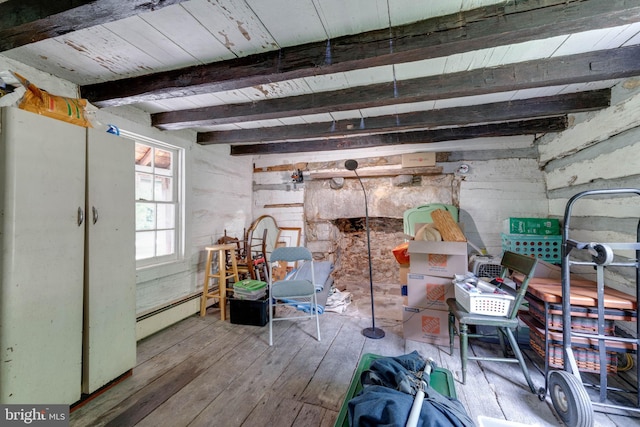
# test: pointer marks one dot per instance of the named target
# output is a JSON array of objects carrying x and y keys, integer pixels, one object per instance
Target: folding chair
[
  {"x": 511, "y": 262},
  {"x": 292, "y": 292}
]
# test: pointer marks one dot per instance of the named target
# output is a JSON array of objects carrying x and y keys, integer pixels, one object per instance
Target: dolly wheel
[
  {"x": 542, "y": 394},
  {"x": 570, "y": 399}
]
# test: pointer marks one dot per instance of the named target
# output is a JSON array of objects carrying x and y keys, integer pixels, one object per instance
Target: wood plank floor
[{"x": 205, "y": 372}]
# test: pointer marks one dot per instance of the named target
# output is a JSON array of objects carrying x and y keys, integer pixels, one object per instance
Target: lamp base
[{"x": 375, "y": 333}]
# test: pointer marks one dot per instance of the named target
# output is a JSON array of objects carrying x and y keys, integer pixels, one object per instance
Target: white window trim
[{"x": 172, "y": 263}]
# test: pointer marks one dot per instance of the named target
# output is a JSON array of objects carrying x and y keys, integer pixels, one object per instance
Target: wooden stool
[{"x": 222, "y": 276}]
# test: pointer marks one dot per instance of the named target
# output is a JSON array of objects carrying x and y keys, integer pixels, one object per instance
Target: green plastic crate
[
  {"x": 538, "y": 226},
  {"x": 249, "y": 285},
  {"x": 546, "y": 248},
  {"x": 441, "y": 381}
]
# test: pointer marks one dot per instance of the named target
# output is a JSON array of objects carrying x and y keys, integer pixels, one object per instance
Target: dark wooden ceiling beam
[
  {"x": 28, "y": 21},
  {"x": 438, "y": 37},
  {"x": 523, "y": 127},
  {"x": 563, "y": 70},
  {"x": 458, "y": 116}
]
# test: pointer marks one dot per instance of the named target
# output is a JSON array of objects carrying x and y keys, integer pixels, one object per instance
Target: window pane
[
  {"x": 144, "y": 186},
  {"x": 165, "y": 243},
  {"x": 144, "y": 154},
  {"x": 166, "y": 216},
  {"x": 163, "y": 160},
  {"x": 164, "y": 188},
  {"x": 145, "y": 216},
  {"x": 145, "y": 244}
]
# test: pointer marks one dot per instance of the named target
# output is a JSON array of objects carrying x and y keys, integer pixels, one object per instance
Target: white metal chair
[{"x": 296, "y": 292}]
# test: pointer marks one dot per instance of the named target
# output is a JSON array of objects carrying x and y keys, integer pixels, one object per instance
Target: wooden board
[
  {"x": 583, "y": 292},
  {"x": 447, "y": 227}
]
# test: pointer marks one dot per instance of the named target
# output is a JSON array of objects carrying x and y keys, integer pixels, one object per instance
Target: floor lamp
[{"x": 371, "y": 332}]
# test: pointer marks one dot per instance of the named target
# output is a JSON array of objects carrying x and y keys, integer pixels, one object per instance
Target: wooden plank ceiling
[{"x": 282, "y": 76}]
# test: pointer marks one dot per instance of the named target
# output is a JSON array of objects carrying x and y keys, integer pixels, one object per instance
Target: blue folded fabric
[
  {"x": 303, "y": 306},
  {"x": 321, "y": 272}
]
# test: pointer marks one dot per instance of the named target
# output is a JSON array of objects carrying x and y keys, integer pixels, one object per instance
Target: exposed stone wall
[{"x": 334, "y": 222}]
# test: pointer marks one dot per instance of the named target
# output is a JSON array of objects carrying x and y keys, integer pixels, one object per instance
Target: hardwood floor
[{"x": 204, "y": 372}]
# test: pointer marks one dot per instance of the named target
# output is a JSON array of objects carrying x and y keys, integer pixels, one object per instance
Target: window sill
[{"x": 152, "y": 272}]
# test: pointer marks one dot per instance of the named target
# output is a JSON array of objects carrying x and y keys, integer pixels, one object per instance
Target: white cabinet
[
  {"x": 109, "y": 347},
  {"x": 67, "y": 301}
]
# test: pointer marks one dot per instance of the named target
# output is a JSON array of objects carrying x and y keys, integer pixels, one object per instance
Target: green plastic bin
[{"x": 441, "y": 381}]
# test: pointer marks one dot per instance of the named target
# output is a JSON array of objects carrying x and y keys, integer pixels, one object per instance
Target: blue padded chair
[{"x": 292, "y": 292}]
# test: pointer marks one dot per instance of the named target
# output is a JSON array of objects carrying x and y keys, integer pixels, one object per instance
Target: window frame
[{"x": 178, "y": 173}]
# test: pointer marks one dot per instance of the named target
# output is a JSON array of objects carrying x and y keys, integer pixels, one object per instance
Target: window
[{"x": 158, "y": 202}]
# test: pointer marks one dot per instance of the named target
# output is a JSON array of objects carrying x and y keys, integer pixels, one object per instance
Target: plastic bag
[
  {"x": 401, "y": 253},
  {"x": 39, "y": 101}
]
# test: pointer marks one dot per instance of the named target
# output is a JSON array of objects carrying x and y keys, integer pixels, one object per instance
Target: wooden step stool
[{"x": 222, "y": 275}]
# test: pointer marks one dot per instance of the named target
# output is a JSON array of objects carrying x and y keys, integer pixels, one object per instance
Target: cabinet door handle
[
  {"x": 80, "y": 216},
  {"x": 95, "y": 214}
]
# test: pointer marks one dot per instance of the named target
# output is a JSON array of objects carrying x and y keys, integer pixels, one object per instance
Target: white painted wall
[
  {"x": 504, "y": 181},
  {"x": 217, "y": 192},
  {"x": 601, "y": 150},
  {"x": 506, "y": 178}
]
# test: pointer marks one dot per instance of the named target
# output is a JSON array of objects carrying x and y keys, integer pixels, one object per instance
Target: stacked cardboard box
[{"x": 429, "y": 284}]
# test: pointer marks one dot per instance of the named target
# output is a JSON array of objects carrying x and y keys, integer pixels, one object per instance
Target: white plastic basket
[{"x": 488, "y": 304}]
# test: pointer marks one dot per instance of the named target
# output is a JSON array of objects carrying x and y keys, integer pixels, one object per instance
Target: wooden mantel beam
[
  {"x": 459, "y": 116},
  {"x": 535, "y": 126},
  {"x": 486, "y": 27}
]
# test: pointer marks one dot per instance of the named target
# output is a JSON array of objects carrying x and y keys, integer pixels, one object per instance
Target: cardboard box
[
  {"x": 441, "y": 259},
  {"x": 426, "y": 291},
  {"x": 404, "y": 272},
  {"x": 411, "y": 160},
  {"x": 426, "y": 325}
]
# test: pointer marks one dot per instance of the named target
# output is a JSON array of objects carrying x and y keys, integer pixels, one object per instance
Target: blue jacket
[{"x": 389, "y": 387}]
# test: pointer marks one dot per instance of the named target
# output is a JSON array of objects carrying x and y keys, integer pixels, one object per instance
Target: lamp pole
[{"x": 372, "y": 332}]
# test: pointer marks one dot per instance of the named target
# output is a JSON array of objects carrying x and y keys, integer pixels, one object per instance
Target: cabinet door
[
  {"x": 42, "y": 179},
  {"x": 109, "y": 320}
]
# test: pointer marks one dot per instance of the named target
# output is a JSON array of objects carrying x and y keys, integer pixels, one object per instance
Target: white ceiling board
[
  {"x": 528, "y": 51},
  {"x": 406, "y": 11},
  {"x": 317, "y": 118},
  {"x": 341, "y": 17},
  {"x": 346, "y": 115},
  {"x": 111, "y": 51},
  {"x": 63, "y": 61},
  {"x": 427, "y": 67},
  {"x": 232, "y": 97},
  {"x": 259, "y": 124},
  {"x": 234, "y": 24},
  {"x": 587, "y": 40},
  {"x": 205, "y": 100},
  {"x": 387, "y": 110},
  {"x": 285, "y": 88},
  {"x": 176, "y": 23},
  {"x": 151, "y": 107},
  {"x": 142, "y": 35},
  {"x": 466, "y": 101},
  {"x": 370, "y": 75},
  {"x": 289, "y": 22},
  {"x": 293, "y": 120},
  {"x": 327, "y": 82},
  {"x": 414, "y": 106},
  {"x": 635, "y": 38},
  {"x": 177, "y": 103}
]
